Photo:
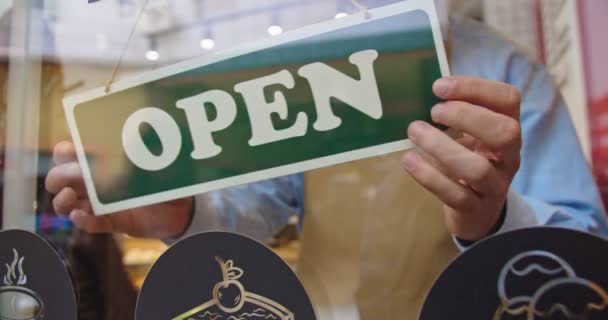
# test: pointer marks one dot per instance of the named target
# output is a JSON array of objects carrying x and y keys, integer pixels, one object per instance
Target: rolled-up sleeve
[
  {"x": 555, "y": 179},
  {"x": 554, "y": 186}
]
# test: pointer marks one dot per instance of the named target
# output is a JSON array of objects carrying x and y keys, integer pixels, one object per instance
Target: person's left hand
[{"x": 472, "y": 174}]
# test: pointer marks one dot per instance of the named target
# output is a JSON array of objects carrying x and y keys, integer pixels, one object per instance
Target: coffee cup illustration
[
  {"x": 230, "y": 300},
  {"x": 17, "y": 302}
]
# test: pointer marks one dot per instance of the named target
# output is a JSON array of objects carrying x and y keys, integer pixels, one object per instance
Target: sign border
[{"x": 71, "y": 102}]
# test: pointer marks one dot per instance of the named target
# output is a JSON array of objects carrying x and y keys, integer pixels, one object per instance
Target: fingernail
[
  {"x": 76, "y": 218},
  {"x": 410, "y": 161},
  {"x": 436, "y": 111},
  {"x": 442, "y": 86},
  {"x": 416, "y": 129}
]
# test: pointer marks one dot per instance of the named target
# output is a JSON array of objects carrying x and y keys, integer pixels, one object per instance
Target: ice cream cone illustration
[
  {"x": 569, "y": 298},
  {"x": 522, "y": 275},
  {"x": 232, "y": 302},
  {"x": 16, "y": 301},
  {"x": 541, "y": 285}
]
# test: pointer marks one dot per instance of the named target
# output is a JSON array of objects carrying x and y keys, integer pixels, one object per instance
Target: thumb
[{"x": 90, "y": 223}]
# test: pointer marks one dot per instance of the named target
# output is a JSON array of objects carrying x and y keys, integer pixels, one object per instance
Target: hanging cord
[
  {"x": 355, "y": 3},
  {"x": 361, "y": 8},
  {"x": 124, "y": 49}
]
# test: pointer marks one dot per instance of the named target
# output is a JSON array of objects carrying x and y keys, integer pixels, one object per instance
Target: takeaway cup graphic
[
  {"x": 222, "y": 276},
  {"x": 34, "y": 281},
  {"x": 17, "y": 302}
]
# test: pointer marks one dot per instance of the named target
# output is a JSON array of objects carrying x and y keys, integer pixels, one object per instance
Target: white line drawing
[
  {"x": 537, "y": 300},
  {"x": 231, "y": 302},
  {"x": 561, "y": 309},
  {"x": 10, "y": 271},
  {"x": 16, "y": 301}
]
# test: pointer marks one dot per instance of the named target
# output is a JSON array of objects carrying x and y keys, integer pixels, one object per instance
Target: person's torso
[{"x": 374, "y": 241}]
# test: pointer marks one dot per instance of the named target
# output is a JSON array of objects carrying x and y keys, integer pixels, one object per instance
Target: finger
[
  {"x": 467, "y": 141},
  {"x": 64, "y": 176},
  {"x": 439, "y": 166},
  {"x": 85, "y": 205},
  {"x": 448, "y": 191},
  {"x": 495, "y": 130},
  {"x": 90, "y": 223},
  {"x": 65, "y": 201},
  {"x": 64, "y": 152},
  {"x": 500, "y": 97},
  {"x": 457, "y": 160}
]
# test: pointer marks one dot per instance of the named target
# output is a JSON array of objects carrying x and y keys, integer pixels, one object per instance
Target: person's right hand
[{"x": 164, "y": 220}]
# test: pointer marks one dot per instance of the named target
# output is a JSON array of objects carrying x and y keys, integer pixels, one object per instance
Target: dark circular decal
[
  {"x": 222, "y": 276},
  {"x": 529, "y": 274},
  {"x": 34, "y": 283}
]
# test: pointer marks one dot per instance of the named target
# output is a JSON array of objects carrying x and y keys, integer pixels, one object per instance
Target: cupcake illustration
[
  {"x": 16, "y": 301},
  {"x": 230, "y": 301}
]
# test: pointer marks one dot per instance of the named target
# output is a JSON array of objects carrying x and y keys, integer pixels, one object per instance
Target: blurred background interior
[{"x": 50, "y": 49}]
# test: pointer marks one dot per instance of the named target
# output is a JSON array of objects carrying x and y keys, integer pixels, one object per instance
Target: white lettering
[
  {"x": 260, "y": 110},
  {"x": 201, "y": 128},
  {"x": 327, "y": 82},
  {"x": 167, "y": 130}
]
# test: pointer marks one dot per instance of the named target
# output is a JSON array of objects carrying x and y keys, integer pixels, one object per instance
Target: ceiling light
[
  {"x": 275, "y": 30},
  {"x": 152, "y": 55},
  {"x": 340, "y": 15},
  {"x": 207, "y": 43}
]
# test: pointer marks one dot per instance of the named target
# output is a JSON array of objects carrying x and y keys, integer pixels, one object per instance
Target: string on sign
[
  {"x": 124, "y": 49},
  {"x": 361, "y": 8}
]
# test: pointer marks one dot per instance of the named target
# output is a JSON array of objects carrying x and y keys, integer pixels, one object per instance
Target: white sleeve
[{"x": 519, "y": 215}]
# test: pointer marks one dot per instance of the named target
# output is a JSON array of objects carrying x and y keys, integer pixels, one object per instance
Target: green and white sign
[{"x": 322, "y": 95}]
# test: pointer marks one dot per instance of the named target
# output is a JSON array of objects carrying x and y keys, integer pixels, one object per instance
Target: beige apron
[{"x": 373, "y": 241}]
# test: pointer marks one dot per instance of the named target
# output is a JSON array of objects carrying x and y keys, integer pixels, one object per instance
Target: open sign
[
  {"x": 326, "y": 83},
  {"x": 326, "y": 94}
]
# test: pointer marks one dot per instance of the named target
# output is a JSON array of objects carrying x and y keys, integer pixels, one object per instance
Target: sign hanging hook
[{"x": 124, "y": 49}]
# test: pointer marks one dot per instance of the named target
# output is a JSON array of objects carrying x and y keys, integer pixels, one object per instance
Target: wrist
[{"x": 497, "y": 226}]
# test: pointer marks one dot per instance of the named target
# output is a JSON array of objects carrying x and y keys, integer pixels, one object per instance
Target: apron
[{"x": 373, "y": 241}]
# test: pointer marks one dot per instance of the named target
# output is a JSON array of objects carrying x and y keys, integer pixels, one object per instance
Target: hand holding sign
[
  {"x": 325, "y": 94},
  {"x": 472, "y": 175},
  {"x": 162, "y": 220}
]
